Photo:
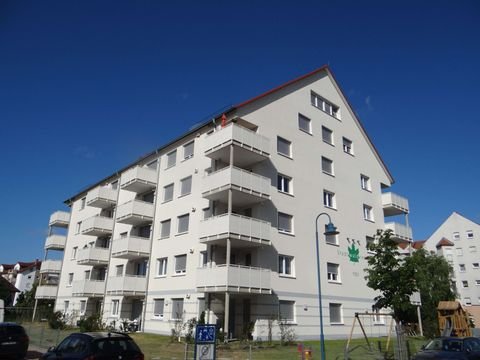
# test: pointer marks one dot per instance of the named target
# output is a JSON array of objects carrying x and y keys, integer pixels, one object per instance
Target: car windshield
[{"x": 445, "y": 345}]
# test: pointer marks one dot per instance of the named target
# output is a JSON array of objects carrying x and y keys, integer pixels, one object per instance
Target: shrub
[
  {"x": 57, "y": 320},
  {"x": 91, "y": 323}
]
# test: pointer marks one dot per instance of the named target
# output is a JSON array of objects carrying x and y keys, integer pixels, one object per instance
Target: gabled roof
[
  {"x": 4, "y": 283},
  {"x": 418, "y": 244},
  {"x": 444, "y": 242}
]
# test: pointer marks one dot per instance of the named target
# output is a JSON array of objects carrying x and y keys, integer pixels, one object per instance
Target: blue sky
[{"x": 89, "y": 86}]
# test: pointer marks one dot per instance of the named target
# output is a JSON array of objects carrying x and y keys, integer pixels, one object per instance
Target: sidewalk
[{"x": 35, "y": 352}]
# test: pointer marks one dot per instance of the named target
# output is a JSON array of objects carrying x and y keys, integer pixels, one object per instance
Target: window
[
  {"x": 287, "y": 310},
  {"x": 83, "y": 307},
  {"x": 456, "y": 236},
  {"x": 335, "y": 311},
  {"x": 284, "y": 183},
  {"x": 181, "y": 264},
  {"x": 183, "y": 221},
  {"x": 285, "y": 223},
  {"x": 188, "y": 150},
  {"x": 327, "y": 166},
  {"x": 152, "y": 164},
  {"x": 119, "y": 270},
  {"x": 477, "y": 282},
  {"x": 70, "y": 279},
  {"x": 475, "y": 265},
  {"x": 74, "y": 252},
  {"x": 327, "y": 135},
  {"x": 78, "y": 228},
  {"x": 177, "y": 309},
  {"x": 459, "y": 251},
  {"x": 285, "y": 265},
  {"x": 168, "y": 192},
  {"x": 461, "y": 267},
  {"x": 284, "y": 146},
  {"x": 171, "y": 158},
  {"x": 201, "y": 307},
  {"x": 367, "y": 212},
  {"x": 331, "y": 239},
  {"x": 82, "y": 203},
  {"x": 472, "y": 249},
  {"x": 114, "y": 185},
  {"x": 347, "y": 146},
  {"x": 304, "y": 123},
  {"x": 158, "y": 305},
  {"x": 115, "y": 307},
  {"x": 325, "y": 105},
  {"x": 329, "y": 199},
  {"x": 469, "y": 234},
  {"x": 465, "y": 283},
  {"x": 87, "y": 274},
  {"x": 203, "y": 259},
  {"x": 369, "y": 241},
  {"x": 66, "y": 304},
  {"x": 165, "y": 228},
  {"x": 162, "y": 266},
  {"x": 468, "y": 301},
  {"x": 186, "y": 186},
  {"x": 365, "y": 182},
  {"x": 333, "y": 272}
]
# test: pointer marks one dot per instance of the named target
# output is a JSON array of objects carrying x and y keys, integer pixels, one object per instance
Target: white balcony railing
[
  {"x": 394, "y": 204},
  {"x": 97, "y": 226},
  {"x": 102, "y": 197},
  {"x": 127, "y": 285},
  {"x": 400, "y": 232},
  {"x": 135, "y": 212},
  {"x": 240, "y": 135},
  {"x": 55, "y": 242},
  {"x": 93, "y": 256},
  {"x": 131, "y": 247},
  {"x": 139, "y": 179},
  {"x": 88, "y": 288},
  {"x": 234, "y": 278},
  {"x": 60, "y": 219},
  {"x": 236, "y": 227},
  {"x": 239, "y": 179},
  {"x": 46, "y": 292},
  {"x": 51, "y": 266}
]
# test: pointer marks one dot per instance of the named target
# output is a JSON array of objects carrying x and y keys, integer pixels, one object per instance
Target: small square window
[
  {"x": 188, "y": 150},
  {"x": 335, "y": 311},
  {"x": 304, "y": 123},
  {"x": 465, "y": 283},
  {"x": 284, "y": 183},
  {"x": 183, "y": 223},
  {"x": 287, "y": 310},
  {"x": 284, "y": 146},
  {"x": 368, "y": 213},
  {"x": 365, "y": 183},
  {"x": 327, "y": 135},
  {"x": 476, "y": 265},
  {"x": 327, "y": 166},
  {"x": 456, "y": 236},
  {"x": 347, "y": 146},
  {"x": 329, "y": 199},
  {"x": 285, "y": 223},
  {"x": 168, "y": 193},
  {"x": 477, "y": 282},
  {"x": 171, "y": 158},
  {"x": 333, "y": 274},
  {"x": 461, "y": 267},
  {"x": 470, "y": 234}
]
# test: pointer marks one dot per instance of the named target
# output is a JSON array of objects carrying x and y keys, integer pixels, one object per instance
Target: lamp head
[{"x": 330, "y": 229}]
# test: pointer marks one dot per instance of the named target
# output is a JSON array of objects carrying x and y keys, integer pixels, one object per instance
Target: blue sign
[
  {"x": 205, "y": 334},
  {"x": 205, "y": 339}
]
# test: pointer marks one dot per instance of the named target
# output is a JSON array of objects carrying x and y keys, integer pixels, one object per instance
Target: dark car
[
  {"x": 96, "y": 346},
  {"x": 13, "y": 341},
  {"x": 450, "y": 348}
]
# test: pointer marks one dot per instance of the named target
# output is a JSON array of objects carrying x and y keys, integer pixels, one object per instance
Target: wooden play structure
[{"x": 453, "y": 319}]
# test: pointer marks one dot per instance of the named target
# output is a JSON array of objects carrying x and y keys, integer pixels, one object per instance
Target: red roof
[
  {"x": 418, "y": 244},
  {"x": 444, "y": 242}
]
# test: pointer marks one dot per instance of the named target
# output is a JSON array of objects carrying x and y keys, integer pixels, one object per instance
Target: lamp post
[{"x": 330, "y": 229}]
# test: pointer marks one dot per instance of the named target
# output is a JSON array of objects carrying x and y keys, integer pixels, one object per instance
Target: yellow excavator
[{"x": 453, "y": 319}]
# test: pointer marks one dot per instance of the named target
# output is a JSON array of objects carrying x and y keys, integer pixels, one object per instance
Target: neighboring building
[
  {"x": 458, "y": 240},
  {"x": 222, "y": 220},
  {"x": 22, "y": 275}
]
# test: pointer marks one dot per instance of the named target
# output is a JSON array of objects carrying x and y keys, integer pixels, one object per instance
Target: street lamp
[{"x": 330, "y": 229}]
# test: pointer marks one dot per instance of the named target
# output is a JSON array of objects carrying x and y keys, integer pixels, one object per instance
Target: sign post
[{"x": 205, "y": 340}]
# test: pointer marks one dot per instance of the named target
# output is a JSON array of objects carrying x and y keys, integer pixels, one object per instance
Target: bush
[
  {"x": 57, "y": 320},
  {"x": 287, "y": 333},
  {"x": 91, "y": 323}
]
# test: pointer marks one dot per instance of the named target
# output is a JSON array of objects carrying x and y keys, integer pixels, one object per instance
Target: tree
[{"x": 388, "y": 274}]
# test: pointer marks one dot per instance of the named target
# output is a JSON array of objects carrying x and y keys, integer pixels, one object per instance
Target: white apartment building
[
  {"x": 458, "y": 240},
  {"x": 222, "y": 220}
]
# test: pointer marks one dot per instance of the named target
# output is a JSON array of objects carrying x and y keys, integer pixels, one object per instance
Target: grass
[{"x": 158, "y": 347}]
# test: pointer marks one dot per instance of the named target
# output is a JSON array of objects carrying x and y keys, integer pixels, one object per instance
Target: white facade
[
  {"x": 463, "y": 255},
  {"x": 222, "y": 221}
]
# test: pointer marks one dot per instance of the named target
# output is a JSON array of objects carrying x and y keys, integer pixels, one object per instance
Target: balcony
[
  {"x": 249, "y": 188},
  {"x": 59, "y": 219},
  {"x": 139, "y": 179},
  {"x": 400, "y": 232},
  {"x": 51, "y": 266},
  {"x": 93, "y": 256},
  {"x": 135, "y": 212},
  {"x": 46, "y": 292},
  {"x": 91, "y": 288},
  {"x": 394, "y": 204},
  {"x": 97, "y": 226},
  {"x": 234, "y": 278},
  {"x": 102, "y": 197},
  {"x": 131, "y": 247},
  {"x": 127, "y": 285},
  {"x": 235, "y": 227},
  {"x": 55, "y": 242},
  {"x": 250, "y": 147}
]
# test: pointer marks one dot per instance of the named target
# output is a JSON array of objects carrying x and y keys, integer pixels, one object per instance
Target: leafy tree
[{"x": 388, "y": 274}]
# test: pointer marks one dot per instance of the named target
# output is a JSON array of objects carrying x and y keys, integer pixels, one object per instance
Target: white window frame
[
  {"x": 203, "y": 261},
  {"x": 180, "y": 220},
  {"x": 186, "y": 186},
  {"x": 66, "y": 305},
  {"x": 469, "y": 234},
  {"x": 70, "y": 279},
  {"x": 340, "y": 310},
  {"x": 174, "y": 302},
  {"x": 327, "y": 163},
  {"x": 284, "y": 184},
  {"x": 465, "y": 284},
  {"x": 347, "y": 146},
  {"x": 477, "y": 282},
  {"x": 162, "y": 266},
  {"x": 333, "y": 273},
  {"x": 188, "y": 154},
  {"x": 286, "y": 262},
  {"x": 83, "y": 307},
  {"x": 74, "y": 253},
  {"x": 326, "y": 106},
  {"x": 327, "y": 135},
  {"x": 456, "y": 235},
  {"x": 307, "y": 121},
  {"x": 171, "y": 159},
  {"x": 368, "y": 213},
  {"x": 179, "y": 271},
  {"x": 369, "y": 240},
  {"x": 115, "y": 307},
  {"x": 78, "y": 229},
  {"x": 157, "y": 314},
  {"x": 329, "y": 200},
  {"x": 461, "y": 268},
  {"x": 285, "y": 142},
  {"x": 475, "y": 265},
  {"x": 163, "y": 227},
  {"x": 365, "y": 183},
  {"x": 467, "y": 301},
  {"x": 291, "y": 309},
  {"x": 290, "y": 219},
  {"x": 165, "y": 199},
  {"x": 83, "y": 202}
]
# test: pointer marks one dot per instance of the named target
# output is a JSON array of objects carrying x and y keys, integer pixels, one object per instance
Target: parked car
[
  {"x": 13, "y": 341},
  {"x": 450, "y": 348},
  {"x": 95, "y": 346}
]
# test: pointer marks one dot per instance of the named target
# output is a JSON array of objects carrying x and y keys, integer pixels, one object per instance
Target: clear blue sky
[{"x": 89, "y": 86}]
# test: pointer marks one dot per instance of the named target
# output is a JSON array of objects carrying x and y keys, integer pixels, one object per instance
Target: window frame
[
  {"x": 321, "y": 103},
  {"x": 333, "y": 276},
  {"x": 281, "y": 181},
  {"x": 180, "y": 271},
  {"x": 347, "y": 146},
  {"x": 162, "y": 266},
  {"x": 182, "y": 183},
  {"x": 162, "y": 314},
  {"x": 179, "y": 222},
  {"x": 308, "y": 121},
  {"x": 339, "y": 308},
  {"x": 329, "y": 139},
  {"x": 328, "y": 161},
  {"x": 287, "y": 142},
  {"x": 287, "y": 216},
  {"x": 115, "y": 311},
  {"x": 329, "y": 199},
  {"x": 172, "y": 186},
  {"x": 365, "y": 183},
  {"x": 176, "y": 301},
  {"x": 286, "y": 262},
  {"x": 171, "y": 155},
  {"x": 368, "y": 213},
  {"x": 163, "y": 225},
  {"x": 291, "y": 309},
  {"x": 186, "y": 155}
]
